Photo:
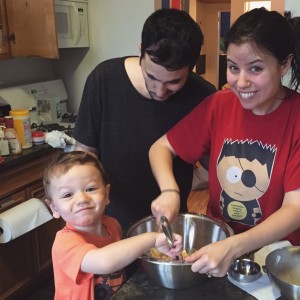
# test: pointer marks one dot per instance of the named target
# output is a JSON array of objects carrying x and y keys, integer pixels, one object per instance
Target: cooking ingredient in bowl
[
  {"x": 154, "y": 253},
  {"x": 292, "y": 277},
  {"x": 184, "y": 254}
]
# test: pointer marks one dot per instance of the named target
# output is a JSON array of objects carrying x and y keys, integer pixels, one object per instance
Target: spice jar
[{"x": 12, "y": 136}]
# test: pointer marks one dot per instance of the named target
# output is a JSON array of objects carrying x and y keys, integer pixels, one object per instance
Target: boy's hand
[{"x": 162, "y": 245}]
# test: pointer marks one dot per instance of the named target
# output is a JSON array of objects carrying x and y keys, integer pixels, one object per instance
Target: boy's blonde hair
[{"x": 64, "y": 161}]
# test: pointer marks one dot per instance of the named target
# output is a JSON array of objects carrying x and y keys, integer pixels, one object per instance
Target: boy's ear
[{"x": 53, "y": 208}]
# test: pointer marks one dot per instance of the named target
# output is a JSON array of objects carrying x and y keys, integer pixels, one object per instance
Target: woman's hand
[
  {"x": 214, "y": 259},
  {"x": 163, "y": 246},
  {"x": 166, "y": 204}
]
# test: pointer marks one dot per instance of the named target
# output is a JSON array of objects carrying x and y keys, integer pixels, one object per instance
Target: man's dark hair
[{"x": 172, "y": 39}]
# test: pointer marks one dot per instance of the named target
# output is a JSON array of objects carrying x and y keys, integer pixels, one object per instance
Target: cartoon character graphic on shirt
[
  {"x": 105, "y": 286},
  {"x": 244, "y": 171}
]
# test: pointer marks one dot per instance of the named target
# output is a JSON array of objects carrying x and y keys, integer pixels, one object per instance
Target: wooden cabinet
[
  {"x": 26, "y": 260},
  {"x": 30, "y": 28},
  {"x": 4, "y": 44}
]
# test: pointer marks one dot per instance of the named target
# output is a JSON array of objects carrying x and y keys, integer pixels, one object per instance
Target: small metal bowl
[{"x": 245, "y": 270}]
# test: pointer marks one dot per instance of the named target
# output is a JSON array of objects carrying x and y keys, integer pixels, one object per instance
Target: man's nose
[{"x": 160, "y": 89}]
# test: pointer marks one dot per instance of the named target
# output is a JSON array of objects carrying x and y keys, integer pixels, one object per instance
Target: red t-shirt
[
  {"x": 68, "y": 250},
  {"x": 254, "y": 159}
]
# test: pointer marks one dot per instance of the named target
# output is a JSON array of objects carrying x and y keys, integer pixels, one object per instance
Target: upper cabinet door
[
  {"x": 4, "y": 44},
  {"x": 32, "y": 28}
]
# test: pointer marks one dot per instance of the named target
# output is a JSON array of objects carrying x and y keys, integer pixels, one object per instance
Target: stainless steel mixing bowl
[
  {"x": 283, "y": 269},
  {"x": 245, "y": 270},
  {"x": 197, "y": 231}
]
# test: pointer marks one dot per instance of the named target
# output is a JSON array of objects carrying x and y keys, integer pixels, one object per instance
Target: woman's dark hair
[
  {"x": 172, "y": 39},
  {"x": 64, "y": 161},
  {"x": 270, "y": 32}
]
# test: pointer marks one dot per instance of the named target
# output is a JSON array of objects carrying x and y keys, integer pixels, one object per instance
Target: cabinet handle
[
  {"x": 7, "y": 203},
  {"x": 12, "y": 37}
]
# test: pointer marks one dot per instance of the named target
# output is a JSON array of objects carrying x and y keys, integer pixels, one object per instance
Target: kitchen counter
[
  {"x": 27, "y": 154},
  {"x": 140, "y": 286}
]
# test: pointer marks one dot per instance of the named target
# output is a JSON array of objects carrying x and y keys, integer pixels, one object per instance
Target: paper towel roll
[{"x": 22, "y": 218}]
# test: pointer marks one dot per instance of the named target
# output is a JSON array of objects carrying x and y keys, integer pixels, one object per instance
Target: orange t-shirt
[{"x": 68, "y": 250}]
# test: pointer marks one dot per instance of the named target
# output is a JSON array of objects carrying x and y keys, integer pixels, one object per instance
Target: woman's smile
[{"x": 246, "y": 95}]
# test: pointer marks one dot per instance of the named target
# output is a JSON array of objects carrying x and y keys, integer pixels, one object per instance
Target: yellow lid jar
[{"x": 22, "y": 126}]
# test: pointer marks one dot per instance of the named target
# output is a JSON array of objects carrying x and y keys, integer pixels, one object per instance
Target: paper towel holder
[{"x": 23, "y": 218}]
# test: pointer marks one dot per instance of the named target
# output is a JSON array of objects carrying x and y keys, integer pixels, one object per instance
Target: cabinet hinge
[{"x": 11, "y": 37}]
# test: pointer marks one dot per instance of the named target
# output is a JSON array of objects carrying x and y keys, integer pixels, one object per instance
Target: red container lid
[
  {"x": 38, "y": 137},
  {"x": 9, "y": 121},
  {"x": 37, "y": 134}
]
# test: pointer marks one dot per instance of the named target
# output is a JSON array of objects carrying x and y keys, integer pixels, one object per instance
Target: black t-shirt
[{"x": 122, "y": 124}]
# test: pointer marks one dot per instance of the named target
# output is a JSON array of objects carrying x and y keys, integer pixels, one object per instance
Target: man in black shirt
[{"x": 129, "y": 102}]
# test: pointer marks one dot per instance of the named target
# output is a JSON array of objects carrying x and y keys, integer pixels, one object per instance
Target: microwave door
[
  {"x": 64, "y": 24},
  {"x": 76, "y": 23}
]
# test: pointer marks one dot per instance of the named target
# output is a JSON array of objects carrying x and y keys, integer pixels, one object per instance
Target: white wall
[
  {"x": 115, "y": 28},
  {"x": 25, "y": 70},
  {"x": 293, "y": 6}
]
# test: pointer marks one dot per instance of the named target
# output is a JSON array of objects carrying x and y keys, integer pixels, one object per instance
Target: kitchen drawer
[
  {"x": 12, "y": 200},
  {"x": 36, "y": 191}
]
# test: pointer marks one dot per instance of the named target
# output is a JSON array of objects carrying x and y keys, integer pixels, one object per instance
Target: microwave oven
[{"x": 72, "y": 23}]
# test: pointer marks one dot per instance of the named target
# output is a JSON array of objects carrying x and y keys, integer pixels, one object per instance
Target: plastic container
[
  {"x": 38, "y": 137},
  {"x": 11, "y": 135},
  {"x": 4, "y": 146},
  {"x": 8, "y": 122},
  {"x": 22, "y": 126}
]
